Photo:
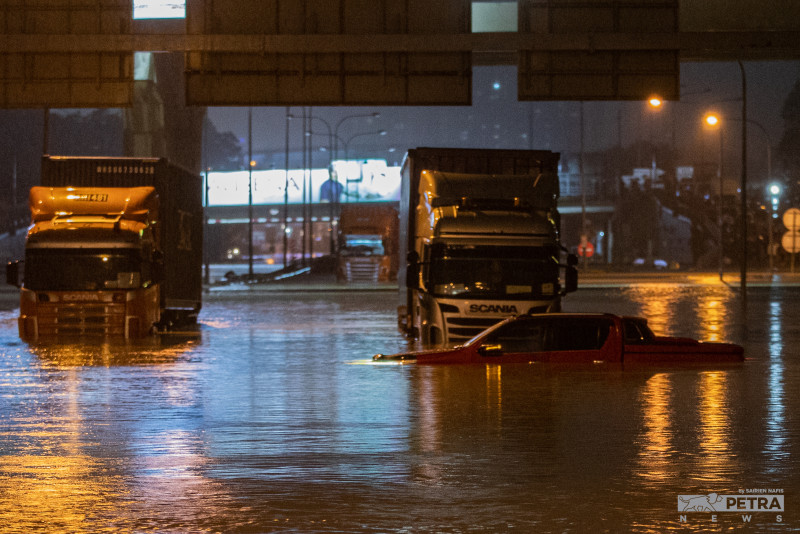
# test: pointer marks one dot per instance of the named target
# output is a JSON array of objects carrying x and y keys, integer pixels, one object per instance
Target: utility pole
[
  {"x": 250, "y": 193},
  {"x": 743, "y": 222}
]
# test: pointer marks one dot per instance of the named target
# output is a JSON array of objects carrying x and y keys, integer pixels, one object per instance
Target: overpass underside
[{"x": 82, "y": 54}]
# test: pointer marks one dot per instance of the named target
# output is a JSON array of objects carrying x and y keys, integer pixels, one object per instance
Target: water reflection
[
  {"x": 157, "y": 350},
  {"x": 655, "y": 456},
  {"x": 713, "y": 316},
  {"x": 259, "y": 425},
  {"x": 776, "y": 438},
  {"x": 663, "y": 412},
  {"x": 657, "y": 305},
  {"x": 710, "y": 311},
  {"x": 60, "y": 493},
  {"x": 717, "y": 462}
]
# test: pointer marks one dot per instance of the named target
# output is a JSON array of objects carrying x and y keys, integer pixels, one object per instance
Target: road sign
[
  {"x": 791, "y": 219},
  {"x": 791, "y": 241},
  {"x": 586, "y": 249}
]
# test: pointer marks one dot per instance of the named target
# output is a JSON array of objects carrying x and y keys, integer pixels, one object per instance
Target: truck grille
[
  {"x": 363, "y": 270},
  {"x": 81, "y": 319},
  {"x": 461, "y": 328},
  {"x": 464, "y": 328}
]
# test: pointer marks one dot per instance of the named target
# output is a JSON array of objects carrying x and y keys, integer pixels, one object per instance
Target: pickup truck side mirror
[{"x": 12, "y": 273}]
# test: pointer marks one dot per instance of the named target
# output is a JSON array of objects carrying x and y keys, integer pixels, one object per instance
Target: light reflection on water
[
  {"x": 708, "y": 313},
  {"x": 717, "y": 460},
  {"x": 258, "y": 423},
  {"x": 775, "y": 447},
  {"x": 656, "y": 454}
]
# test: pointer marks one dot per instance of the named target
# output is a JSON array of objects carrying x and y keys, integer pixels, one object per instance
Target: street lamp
[
  {"x": 339, "y": 124},
  {"x": 655, "y": 102},
  {"x": 743, "y": 223},
  {"x": 346, "y": 152},
  {"x": 363, "y": 134},
  {"x": 333, "y": 154},
  {"x": 309, "y": 133},
  {"x": 713, "y": 119}
]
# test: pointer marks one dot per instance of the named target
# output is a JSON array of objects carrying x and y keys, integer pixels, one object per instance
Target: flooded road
[{"x": 271, "y": 418}]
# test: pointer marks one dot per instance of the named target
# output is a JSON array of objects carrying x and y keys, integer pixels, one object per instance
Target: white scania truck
[{"x": 479, "y": 230}]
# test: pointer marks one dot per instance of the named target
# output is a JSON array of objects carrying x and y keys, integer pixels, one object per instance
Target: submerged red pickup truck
[{"x": 574, "y": 338}]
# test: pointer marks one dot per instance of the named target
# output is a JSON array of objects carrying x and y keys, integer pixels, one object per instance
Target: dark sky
[{"x": 497, "y": 120}]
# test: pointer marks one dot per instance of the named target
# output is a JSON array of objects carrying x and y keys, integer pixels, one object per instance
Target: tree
[
  {"x": 98, "y": 132},
  {"x": 789, "y": 146},
  {"x": 222, "y": 150}
]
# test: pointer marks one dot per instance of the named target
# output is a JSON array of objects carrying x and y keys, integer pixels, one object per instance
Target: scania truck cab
[
  {"x": 480, "y": 246},
  {"x": 92, "y": 265}
]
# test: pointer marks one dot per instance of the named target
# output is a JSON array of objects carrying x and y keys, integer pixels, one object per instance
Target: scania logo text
[{"x": 493, "y": 308}]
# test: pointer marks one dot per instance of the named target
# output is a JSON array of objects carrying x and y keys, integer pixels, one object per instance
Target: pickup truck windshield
[
  {"x": 536, "y": 334},
  {"x": 64, "y": 269},
  {"x": 486, "y": 271}
]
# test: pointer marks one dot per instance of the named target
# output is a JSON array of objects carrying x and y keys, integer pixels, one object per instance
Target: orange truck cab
[
  {"x": 114, "y": 249},
  {"x": 92, "y": 263}
]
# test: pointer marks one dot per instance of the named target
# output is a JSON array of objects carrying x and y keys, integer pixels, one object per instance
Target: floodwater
[{"x": 271, "y": 418}]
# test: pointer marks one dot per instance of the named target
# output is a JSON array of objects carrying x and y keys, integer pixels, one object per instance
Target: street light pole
[
  {"x": 743, "y": 222},
  {"x": 286, "y": 192},
  {"x": 310, "y": 186},
  {"x": 304, "y": 232},
  {"x": 309, "y": 133},
  {"x": 719, "y": 205},
  {"x": 745, "y": 122},
  {"x": 204, "y": 154},
  {"x": 250, "y": 193},
  {"x": 333, "y": 151},
  {"x": 339, "y": 124},
  {"x": 774, "y": 191},
  {"x": 584, "y": 259},
  {"x": 714, "y": 120}
]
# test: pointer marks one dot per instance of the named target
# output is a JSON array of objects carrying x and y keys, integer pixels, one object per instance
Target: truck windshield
[
  {"x": 64, "y": 269},
  {"x": 487, "y": 271},
  {"x": 363, "y": 245}
]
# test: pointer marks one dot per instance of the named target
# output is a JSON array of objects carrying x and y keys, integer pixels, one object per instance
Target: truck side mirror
[
  {"x": 412, "y": 270},
  {"x": 572, "y": 260},
  {"x": 12, "y": 273},
  {"x": 570, "y": 279},
  {"x": 158, "y": 266}
]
